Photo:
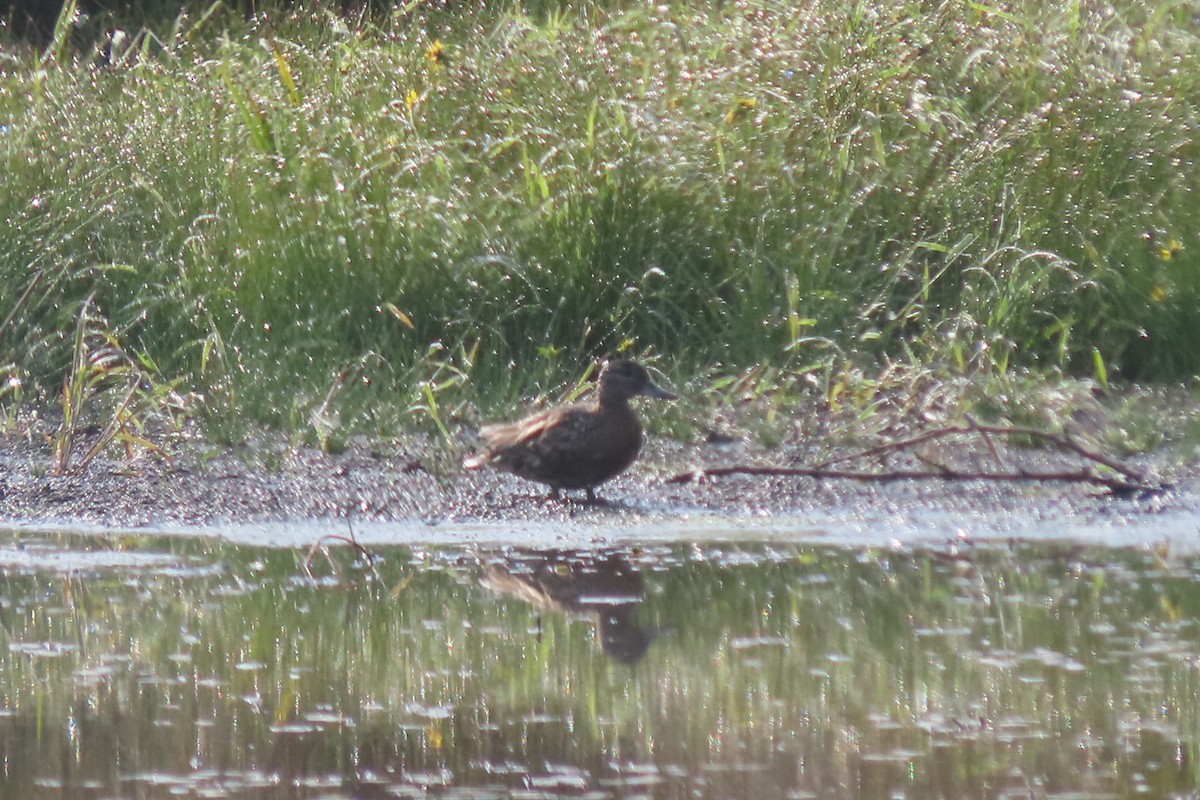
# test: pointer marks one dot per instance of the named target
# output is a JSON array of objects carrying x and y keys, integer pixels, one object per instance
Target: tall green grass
[{"x": 303, "y": 215}]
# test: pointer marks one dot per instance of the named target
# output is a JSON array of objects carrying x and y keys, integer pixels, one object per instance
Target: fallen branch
[{"x": 1126, "y": 481}]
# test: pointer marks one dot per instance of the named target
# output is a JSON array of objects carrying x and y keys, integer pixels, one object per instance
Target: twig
[
  {"x": 987, "y": 439},
  {"x": 1113, "y": 484},
  {"x": 1064, "y": 441},
  {"x": 888, "y": 447},
  {"x": 1126, "y": 481},
  {"x": 320, "y": 545}
]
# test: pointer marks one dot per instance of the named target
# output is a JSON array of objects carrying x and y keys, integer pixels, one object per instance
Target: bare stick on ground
[{"x": 1099, "y": 469}]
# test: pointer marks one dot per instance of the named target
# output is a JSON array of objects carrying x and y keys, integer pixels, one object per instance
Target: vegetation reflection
[{"x": 156, "y": 667}]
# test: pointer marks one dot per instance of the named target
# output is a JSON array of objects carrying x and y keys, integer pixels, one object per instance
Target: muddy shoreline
[{"x": 416, "y": 480}]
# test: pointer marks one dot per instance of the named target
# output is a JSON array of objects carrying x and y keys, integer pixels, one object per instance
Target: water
[{"x": 165, "y": 666}]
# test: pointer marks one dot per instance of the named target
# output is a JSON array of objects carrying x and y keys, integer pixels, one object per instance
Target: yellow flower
[
  {"x": 1169, "y": 250},
  {"x": 412, "y": 99},
  {"x": 741, "y": 109},
  {"x": 1158, "y": 294},
  {"x": 436, "y": 739},
  {"x": 436, "y": 54}
]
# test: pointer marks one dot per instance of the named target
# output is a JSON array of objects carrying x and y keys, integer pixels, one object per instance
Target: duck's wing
[{"x": 502, "y": 438}]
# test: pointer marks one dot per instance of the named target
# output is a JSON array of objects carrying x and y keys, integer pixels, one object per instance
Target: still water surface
[{"x": 161, "y": 667}]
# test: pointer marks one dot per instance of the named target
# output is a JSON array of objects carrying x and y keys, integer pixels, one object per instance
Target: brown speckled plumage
[{"x": 578, "y": 446}]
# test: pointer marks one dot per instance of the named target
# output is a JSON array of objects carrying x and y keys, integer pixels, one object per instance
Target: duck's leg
[
  {"x": 554, "y": 495},
  {"x": 591, "y": 495}
]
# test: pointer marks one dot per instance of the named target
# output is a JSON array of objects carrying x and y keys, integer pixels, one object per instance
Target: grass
[{"x": 339, "y": 224}]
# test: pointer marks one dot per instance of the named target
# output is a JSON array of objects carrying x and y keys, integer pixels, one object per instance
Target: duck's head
[{"x": 622, "y": 379}]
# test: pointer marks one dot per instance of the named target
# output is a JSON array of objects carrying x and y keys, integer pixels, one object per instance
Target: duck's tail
[{"x": 478, "y": 460}]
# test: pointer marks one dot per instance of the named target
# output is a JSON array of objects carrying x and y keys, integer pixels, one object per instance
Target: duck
[{"x": 578, "y": 446}]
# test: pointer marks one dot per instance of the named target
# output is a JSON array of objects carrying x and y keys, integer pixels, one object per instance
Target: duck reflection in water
[{"x": 602, "y": 586}]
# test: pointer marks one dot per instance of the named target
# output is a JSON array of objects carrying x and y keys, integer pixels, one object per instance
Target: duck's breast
[{"x": 595, "y": 447}]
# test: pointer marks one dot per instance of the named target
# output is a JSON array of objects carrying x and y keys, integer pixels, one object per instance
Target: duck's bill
[{"x": 654, "y": 390}]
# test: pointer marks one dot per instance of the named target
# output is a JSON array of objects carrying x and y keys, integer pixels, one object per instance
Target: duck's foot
[
  {"x": 600, "y": 502},
  {"x": 590, "y": 499}
]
